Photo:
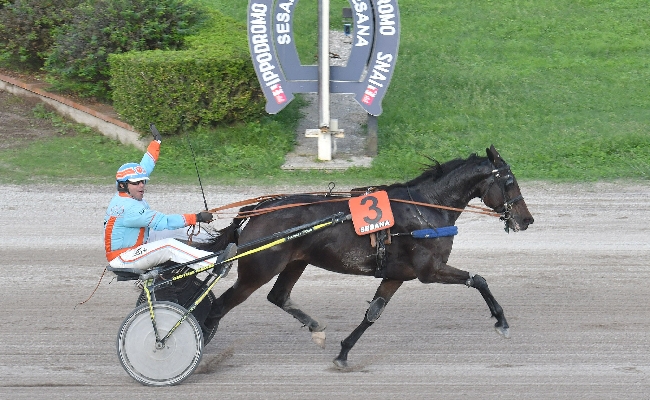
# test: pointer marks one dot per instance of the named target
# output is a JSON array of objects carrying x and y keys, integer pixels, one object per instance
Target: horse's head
[{"x": 501, "y": 193}]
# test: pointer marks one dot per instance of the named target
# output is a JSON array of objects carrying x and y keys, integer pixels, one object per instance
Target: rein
[
  {"x": 259, "y": 199},
  {"x": 253, "y": 213},
  {"x": 480, "y": 210}
]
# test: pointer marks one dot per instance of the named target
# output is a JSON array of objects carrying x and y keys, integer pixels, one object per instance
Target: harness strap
[
  {"x": 381, "y": 256},
  {"x": 480, "y": 211},
  {"x": 256, "y": 200},
  {"x": 373, "y": 238},
  {"x": 343, "y": 196},
  {"x": 514, "y": 200},
  {"x": 245, "y": 202},
  {"x": 253, "y": 213}
]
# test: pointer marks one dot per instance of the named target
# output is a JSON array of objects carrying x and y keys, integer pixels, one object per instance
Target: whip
[{"x": 196, "y": 167}]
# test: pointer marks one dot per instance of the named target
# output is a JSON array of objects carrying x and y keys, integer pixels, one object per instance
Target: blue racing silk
[{"x": 127, "y": 221}]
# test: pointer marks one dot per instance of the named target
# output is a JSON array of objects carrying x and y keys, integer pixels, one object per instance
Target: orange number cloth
[{"x": 371, "y": 212}]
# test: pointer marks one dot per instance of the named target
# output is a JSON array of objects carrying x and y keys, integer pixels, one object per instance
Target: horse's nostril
[{"x": 529, "y": 221}]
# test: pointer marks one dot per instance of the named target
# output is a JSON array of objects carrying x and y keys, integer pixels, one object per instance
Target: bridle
[{"x": 504, "y": 176}]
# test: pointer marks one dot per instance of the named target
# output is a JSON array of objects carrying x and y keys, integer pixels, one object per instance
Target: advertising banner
[{"x": 369, "y": 69}]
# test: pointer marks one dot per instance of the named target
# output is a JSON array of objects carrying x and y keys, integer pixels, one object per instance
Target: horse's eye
[{"x": 509, "y": 182}]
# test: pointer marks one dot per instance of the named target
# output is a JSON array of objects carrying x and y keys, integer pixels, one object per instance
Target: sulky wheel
[
  {"x": 182, "y": 292},
  {"x": 150, "y": 365}
]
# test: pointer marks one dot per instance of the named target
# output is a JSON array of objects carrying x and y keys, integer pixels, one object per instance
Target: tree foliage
[
  {"x": 102, "y": 27},
  {"x": 28, "y": 27}
]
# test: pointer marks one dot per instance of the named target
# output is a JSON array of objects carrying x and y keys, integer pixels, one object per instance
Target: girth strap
[
  {"x": 381, "y": 256},
  {"x": 373, "y": 238}
]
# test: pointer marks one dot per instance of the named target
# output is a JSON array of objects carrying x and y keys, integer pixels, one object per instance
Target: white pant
[{"x": 155, "y": 253}]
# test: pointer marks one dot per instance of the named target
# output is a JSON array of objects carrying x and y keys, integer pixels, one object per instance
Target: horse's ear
[{"x": 493, "y": 155}]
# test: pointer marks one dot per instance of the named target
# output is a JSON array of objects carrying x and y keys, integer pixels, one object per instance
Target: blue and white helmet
[{"x": 132, "y": 172}]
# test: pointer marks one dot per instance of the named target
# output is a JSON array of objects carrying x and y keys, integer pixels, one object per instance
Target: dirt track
[{"x": 575, "y": 289}]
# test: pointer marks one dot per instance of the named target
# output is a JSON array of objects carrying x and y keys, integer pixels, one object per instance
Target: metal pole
[
  {"x": 371, "y": 149},
  {"x": 325, "y": 137}
]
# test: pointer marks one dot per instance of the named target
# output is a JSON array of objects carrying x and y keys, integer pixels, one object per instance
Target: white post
[
  {"x": 326, "y": 126},
  {"x": 325, "y": 136}
]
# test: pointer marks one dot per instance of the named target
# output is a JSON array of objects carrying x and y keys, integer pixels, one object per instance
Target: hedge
[
  {"x": 78, "y": 58},
  {"x": 213, "y": 82},
  {"x": 27, "y": 29}
]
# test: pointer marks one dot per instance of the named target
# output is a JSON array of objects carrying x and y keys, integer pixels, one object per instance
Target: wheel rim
[
  {"x": 207, "y": 302},
  {"x": 136, "y": 345}
]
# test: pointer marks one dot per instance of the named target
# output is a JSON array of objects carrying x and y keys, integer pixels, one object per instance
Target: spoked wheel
[
  {"x": 182, "y": 292},
  {"x": 150, "y": 364}
]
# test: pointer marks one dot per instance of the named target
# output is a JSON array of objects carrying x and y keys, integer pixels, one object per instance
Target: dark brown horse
[{"x": 340, "y": 249}]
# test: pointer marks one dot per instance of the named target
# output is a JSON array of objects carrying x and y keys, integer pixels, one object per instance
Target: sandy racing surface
[{"x": 575, "y": 288}]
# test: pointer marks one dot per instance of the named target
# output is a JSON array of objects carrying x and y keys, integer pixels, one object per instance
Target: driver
[{"x": 129, "y": 219}]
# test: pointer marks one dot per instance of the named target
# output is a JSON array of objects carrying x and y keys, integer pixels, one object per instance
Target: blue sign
[{"x": 265, "y": 60}]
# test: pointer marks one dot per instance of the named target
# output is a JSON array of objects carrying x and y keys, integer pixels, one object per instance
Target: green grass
[
  {"x": 559, "y": 87},
  {"x": 252, "y": 151},
  {"x": 66, "y": 156}
]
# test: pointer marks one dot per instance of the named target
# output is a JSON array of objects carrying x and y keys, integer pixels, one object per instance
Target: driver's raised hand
[{"x": 155, "y": 133}]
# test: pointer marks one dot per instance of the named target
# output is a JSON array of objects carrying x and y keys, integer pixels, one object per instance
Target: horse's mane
[{"x": 436, "y": 171}]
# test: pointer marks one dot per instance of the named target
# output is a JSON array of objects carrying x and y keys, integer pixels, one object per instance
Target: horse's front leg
[
  {"x": 440, "y": 272},
  {"x": 501, "y": 326},
  {"x": 384, "y": 293}
]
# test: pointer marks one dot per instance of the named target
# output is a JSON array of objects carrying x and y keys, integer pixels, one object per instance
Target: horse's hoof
[
  {"x": 505, "y": 332},
  {"x": 318, "y": 338},
  {"x": 341, "y": 364}
]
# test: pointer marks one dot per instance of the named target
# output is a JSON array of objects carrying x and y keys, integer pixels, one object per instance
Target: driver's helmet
[{"x": 131, "y": 172}]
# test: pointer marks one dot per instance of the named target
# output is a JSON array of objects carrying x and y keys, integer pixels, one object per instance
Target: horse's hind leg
[
  {"x": 245, "y": 285},
  {"x": 280, "y": 296},
  {"x": 501, "y": 326},
  {"x": 384, "y": 293}
]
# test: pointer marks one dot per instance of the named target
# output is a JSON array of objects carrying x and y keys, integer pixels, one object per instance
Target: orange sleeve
[
  {"x": 190, "y": 219},
  {"x": 154, "y": 150}
]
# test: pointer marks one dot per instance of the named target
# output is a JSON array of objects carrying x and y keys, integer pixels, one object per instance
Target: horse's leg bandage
[{"x": 375, "y": 309}]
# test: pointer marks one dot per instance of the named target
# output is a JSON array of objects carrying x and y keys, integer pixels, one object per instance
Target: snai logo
[
  {"x": 278, "y": 93},
  {"x": 369, "y": 95}
]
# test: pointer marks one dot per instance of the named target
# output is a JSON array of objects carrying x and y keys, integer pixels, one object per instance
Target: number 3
[{"x": 372, "y": 207}]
